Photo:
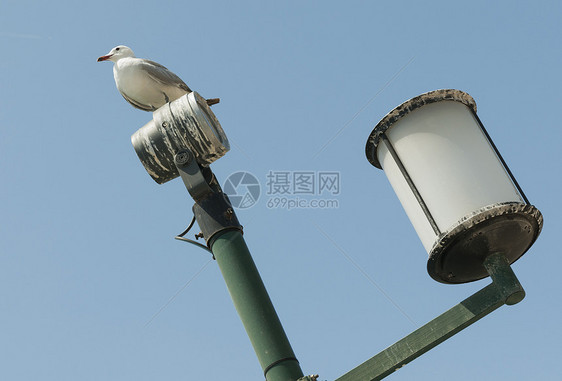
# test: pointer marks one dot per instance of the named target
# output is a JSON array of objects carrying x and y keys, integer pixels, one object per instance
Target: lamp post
[
  {"x": 182, "y": 140},
  {"x": 466, "y": 206}
]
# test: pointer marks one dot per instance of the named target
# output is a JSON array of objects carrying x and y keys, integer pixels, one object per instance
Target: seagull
[{"x": 145, "y": 84}]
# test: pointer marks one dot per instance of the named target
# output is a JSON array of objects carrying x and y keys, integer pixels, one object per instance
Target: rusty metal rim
[
  {"x": 475, "y": 220},
  {"x": 405, "y": 108}
]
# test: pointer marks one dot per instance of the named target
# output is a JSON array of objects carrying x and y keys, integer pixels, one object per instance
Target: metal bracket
[
  {"x": 191, "y": 175},
  {"x": 213, "y": 210},
  {"x": 505, "y": 289},
  {"x": 215, "y": 214}
]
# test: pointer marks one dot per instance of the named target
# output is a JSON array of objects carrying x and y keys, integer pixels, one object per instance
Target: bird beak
[{"x": 104, "y": 58}]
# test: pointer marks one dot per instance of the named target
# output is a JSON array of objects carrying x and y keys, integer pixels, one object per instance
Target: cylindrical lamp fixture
[
  {"x": 186, "y": 123},
  {"x": 458, "y": 192}
]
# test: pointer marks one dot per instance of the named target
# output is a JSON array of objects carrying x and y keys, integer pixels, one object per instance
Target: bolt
[
  {"x": 183, "y": 158},
  {"x": 200, "y": 235},
  {"x": 164, "y": 124},
  {"x": 229, "y": 213}
]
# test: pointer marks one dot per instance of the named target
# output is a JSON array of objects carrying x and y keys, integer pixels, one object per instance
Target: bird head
[{"x": 117, "y": 53}]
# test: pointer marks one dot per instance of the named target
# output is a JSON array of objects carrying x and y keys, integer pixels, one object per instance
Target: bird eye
[{"x": 117, "y": 48}]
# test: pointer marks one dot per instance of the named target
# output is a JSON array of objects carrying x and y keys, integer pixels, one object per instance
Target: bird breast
[{"x": 136, "y": 84}]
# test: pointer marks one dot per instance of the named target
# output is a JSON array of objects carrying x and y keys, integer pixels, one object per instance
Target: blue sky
[{"x": 87, "y": 255}]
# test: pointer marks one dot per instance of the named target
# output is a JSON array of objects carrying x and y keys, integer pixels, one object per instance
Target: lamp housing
[
  {"x": 185, "y": 123},
  {"x": 455, "y": 187}
]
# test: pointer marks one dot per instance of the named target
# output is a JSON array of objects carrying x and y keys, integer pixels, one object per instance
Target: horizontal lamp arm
[{"x": 505, "y": 289}]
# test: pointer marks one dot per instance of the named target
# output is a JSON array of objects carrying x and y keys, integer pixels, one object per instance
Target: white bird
[{"x": 145, "y": 84}]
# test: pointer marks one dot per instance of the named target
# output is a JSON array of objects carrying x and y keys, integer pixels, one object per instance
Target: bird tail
[{"x": 213, "y": 101}]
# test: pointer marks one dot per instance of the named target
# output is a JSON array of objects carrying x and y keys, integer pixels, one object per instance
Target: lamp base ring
[{"x": 508, "y": 228}]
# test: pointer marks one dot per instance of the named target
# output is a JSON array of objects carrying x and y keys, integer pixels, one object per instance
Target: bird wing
[
  {"x": 161, "y": 74},
  {"x": 137, "y": 104}
]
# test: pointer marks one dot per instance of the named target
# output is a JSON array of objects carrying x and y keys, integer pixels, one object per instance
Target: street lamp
[
  {"x": 469, "y": 211},
  {"x": 182, "y": 140},
  {"x": 454, "y": 185},
  {"x": 184, "y": 124}
]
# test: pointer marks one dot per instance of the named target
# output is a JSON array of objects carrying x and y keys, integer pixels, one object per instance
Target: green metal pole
[{"x": 254, "y": 307}]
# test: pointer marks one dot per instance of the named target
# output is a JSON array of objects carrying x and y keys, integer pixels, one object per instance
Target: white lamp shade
[{"x": 452, "y": 183}]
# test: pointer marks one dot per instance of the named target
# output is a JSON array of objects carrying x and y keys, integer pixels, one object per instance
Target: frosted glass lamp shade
[{"x": 453, "y": 184}]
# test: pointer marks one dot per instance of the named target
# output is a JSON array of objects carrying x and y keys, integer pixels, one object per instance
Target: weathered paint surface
[{"x": 187, "y": 122}]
